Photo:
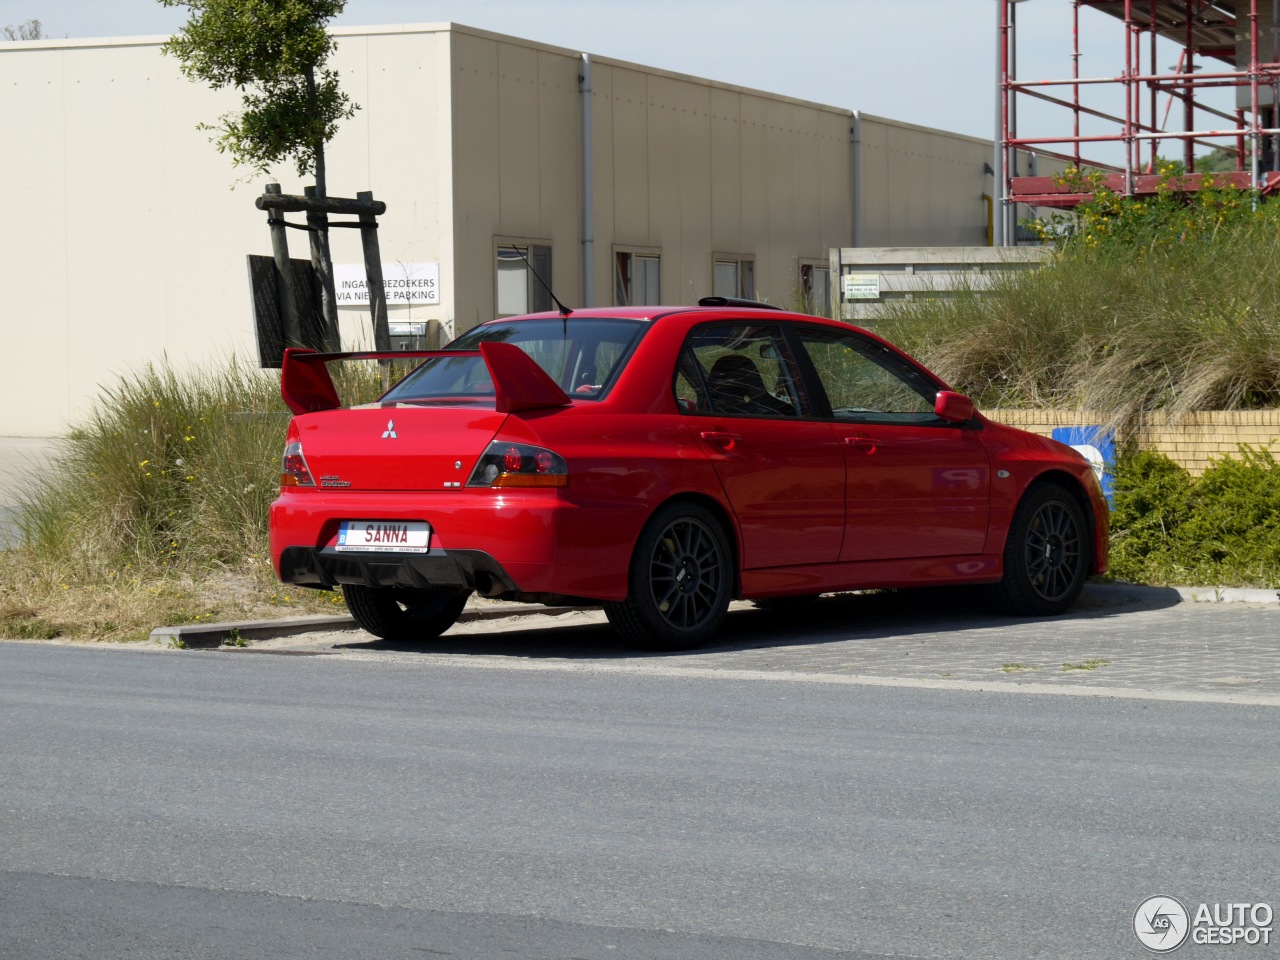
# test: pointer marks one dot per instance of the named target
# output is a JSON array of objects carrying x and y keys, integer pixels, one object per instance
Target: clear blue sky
[{"x": 929, "y": 62}]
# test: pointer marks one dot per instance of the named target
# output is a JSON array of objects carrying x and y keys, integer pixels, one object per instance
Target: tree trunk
[{"x": 321, "y": 258}]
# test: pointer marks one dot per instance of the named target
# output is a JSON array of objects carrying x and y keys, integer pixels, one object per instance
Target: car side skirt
[{"x": 871, "y": 574}]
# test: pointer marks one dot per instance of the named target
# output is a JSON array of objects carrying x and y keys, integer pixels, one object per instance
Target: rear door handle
[{"x": 721, "y": 437}]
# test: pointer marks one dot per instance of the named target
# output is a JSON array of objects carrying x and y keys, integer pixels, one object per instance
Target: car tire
[
  {"x": 404, "y": 614},
  {"x": 1046, "y": 556},
  {"x": 679, "y": 583}
]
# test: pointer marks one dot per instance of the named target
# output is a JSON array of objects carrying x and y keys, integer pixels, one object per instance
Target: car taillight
[
  {"x": 507, "y": 464},
  {"x": 294, "y": 471}
]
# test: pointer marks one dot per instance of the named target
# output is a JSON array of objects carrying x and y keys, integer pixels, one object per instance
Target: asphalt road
[{"x": 214, "y": 805}]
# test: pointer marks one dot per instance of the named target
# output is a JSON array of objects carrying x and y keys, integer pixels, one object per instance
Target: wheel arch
[{"x": 1073, "y": 486}]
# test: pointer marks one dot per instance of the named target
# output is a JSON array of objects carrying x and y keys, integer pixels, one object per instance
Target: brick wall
[{"x": 1191, "y": 440}]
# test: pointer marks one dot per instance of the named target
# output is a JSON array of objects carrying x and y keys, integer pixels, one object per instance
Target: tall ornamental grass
[
  {"x": 155, "y": 510},
  {"x": 1168, "y": 303},
  {"x": 170, "y": 471}
]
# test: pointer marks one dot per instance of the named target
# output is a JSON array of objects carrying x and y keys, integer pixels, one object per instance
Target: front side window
[
  {"x": 583, "y": 356},
  {"x": 742, "y": 370},
  {"x": 637, "y": 279},
  {"x": 867, "y": 382},
  {"x": 518, "y": 289}
]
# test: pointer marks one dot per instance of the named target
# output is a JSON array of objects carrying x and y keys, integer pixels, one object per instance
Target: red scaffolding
[{"x": 1225, "y": 33}]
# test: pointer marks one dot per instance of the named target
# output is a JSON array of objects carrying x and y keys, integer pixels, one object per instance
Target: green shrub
[
  {"x": 1151, "y": 502},
  {"x": 1220, "y": 529},
  {"x": 1234, "y": 515}
]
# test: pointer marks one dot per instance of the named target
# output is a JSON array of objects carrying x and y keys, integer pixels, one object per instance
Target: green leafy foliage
[
  {"x": 274, "y": 53},
  {"x": 1220, "y": 529},
  {"x": 1174, "y": 214}
]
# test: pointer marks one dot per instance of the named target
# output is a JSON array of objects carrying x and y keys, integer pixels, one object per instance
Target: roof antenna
[{"x": 564, "y": 311}]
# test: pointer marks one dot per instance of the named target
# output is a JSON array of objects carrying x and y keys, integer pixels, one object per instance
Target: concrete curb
[
  {"x": 213, "y": 635},
  {"x": 1109, "y": 594},
  {"x": 207, "y": 636}
]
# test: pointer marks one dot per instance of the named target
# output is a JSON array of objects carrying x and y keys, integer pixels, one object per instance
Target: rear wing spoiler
[{"x": 518, "y": 382}]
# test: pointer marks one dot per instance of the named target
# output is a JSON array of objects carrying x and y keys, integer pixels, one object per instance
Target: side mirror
[{"x": 953, "y": 407}]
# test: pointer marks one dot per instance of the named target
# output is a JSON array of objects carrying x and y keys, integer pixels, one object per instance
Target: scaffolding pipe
[
  {"x": 1188, "y": 101},
  {"x": 1002, "y": 129},
  {"x": 1075, "y": 72},
  {"x": 1136, "y": 125},
  {"x": 1155, "y": 105},
  {"x": 1275, "y": 82},
  {"x": 1157, "y": 135},
  {"x": 1011, "y": 161},
  {"x": 1129, "y": 143},
  {"x": 1253, "y": 94},
  {"x": 1241, "y": 76}
]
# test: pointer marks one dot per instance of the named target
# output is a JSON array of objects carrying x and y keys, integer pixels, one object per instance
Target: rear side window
[
  {"x": 739, "y": 369},
  {"x": 583, "y": 356}
]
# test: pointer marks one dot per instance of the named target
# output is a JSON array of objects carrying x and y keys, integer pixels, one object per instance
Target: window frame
[
  {"x": 806, "y": 292},
  {"x": 737, "y": 259},
  {"x": 532, "y": 287},
  {"x": 804, "y": 399},
  {"x": 644, "y": 253},
  {"x": 820, "y": 401}
]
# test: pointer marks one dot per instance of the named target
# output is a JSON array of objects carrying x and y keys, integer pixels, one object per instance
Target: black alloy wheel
[
  {"x": 404, "y": 614},
  {"x": 680, "y": 581},
  {"x": 1046, "y": 557}
]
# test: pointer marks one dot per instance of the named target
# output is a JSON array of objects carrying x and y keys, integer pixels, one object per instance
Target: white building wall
[
  {"x": 118, "y": 250},
  {"x": 129, "y": 231}
]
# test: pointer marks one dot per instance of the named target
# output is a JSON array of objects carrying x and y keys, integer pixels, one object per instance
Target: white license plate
[{"x": 384, "y": 536}]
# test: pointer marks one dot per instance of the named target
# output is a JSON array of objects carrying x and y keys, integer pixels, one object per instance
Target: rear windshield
[{"x": 582, "y": 356}]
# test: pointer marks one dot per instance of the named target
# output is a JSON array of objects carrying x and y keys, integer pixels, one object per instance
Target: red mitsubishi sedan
[{"x": 661, "y": 461}]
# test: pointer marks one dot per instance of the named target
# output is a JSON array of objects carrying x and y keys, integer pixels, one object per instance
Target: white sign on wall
[
  {"x": 861, "y": 286},
  {"x": 403, "y": 283}
]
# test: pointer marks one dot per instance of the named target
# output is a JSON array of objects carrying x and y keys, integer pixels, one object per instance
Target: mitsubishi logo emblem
[{"x": 390, "y": 432}]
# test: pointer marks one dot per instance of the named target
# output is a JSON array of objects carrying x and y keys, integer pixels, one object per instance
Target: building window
[
  {"x": 519, "y": 291},
  {"x": 815, "y": 287},
  {"x": 734, "y": 277},
  {"x": 637, "y": 279}
]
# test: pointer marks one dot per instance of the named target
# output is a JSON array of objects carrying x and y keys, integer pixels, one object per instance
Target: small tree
[
  {"x": 24, "y": 31},
  {"x": 274, "y": 52}
]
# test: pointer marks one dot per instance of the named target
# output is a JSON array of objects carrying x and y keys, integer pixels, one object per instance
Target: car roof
[{"x": 655, "y": 313}]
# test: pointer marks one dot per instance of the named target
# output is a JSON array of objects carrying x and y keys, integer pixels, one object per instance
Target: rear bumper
[
  {"x": 473, "y": 569},
  {"x": 530, "y": 542}
]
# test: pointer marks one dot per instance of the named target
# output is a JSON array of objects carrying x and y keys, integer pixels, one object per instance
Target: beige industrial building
[{"x": 128, "y": 232}]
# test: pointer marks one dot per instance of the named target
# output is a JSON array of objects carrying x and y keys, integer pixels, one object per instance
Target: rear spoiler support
[{"x": 518, "y": 382}]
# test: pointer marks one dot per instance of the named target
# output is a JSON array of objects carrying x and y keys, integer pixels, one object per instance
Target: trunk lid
[{"x": 408, "y": 446}]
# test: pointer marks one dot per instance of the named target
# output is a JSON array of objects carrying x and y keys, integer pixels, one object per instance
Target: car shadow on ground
[{"x": 831, "y": 619}]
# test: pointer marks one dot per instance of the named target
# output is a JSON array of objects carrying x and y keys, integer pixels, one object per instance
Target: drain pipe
[
  {"x": 588, "y": 189},
  {"x": 855, "y": 133}
]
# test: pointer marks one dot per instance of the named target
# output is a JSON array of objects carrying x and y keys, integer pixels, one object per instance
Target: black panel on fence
[{"x": 267, "y": 320}]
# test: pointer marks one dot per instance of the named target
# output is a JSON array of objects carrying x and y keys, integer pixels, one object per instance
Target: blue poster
[{"x": 1098, "y": 445}]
